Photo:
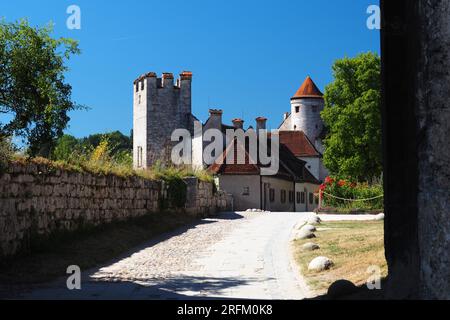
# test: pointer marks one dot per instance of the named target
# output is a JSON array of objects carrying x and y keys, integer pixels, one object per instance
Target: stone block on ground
[
  {"x": 310, "y": 247},
  {"x": 304, "y": 234},
  {"x": 308, "y": 227},
  {"x": 320, "y": 264}
]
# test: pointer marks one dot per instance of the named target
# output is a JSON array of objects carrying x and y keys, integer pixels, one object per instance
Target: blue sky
[{"x": 248, "y": 57}]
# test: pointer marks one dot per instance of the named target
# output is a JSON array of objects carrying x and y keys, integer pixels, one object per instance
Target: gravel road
[{"x": 236, "y": 255}]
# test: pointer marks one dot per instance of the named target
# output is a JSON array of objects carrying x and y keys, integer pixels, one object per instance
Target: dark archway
[{"x": 416, "y": 132}]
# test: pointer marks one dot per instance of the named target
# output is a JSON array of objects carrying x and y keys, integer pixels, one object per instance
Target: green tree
[
  {"x": 33, "y": 91},
  {"x": 7, "y": 150},
  {"x": 118, "y": 142},
  {"x": 119, "y": 147},
  {"x": 66, "y": 148},
  {"x": 352, "y": 116}
]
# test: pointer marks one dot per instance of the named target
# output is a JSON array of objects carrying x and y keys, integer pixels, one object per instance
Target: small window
[
  {"x": 272, "y": 195},
  {"x": 137, "y": 86},
  {"x": 303, "y": 198},
  {"x": 139, "y": 99},
  {"x": 291, "y": 196},
  {"x": 142, "y": 85},
  {"x": 139, "y": 157},
  {"x": 299, "y": 197},
  {"x": 283, "y": 196},
  {"x": 297, "y": 109},
  {"x": 311, "y": 198},
  {"x": 246, "y": 191}
]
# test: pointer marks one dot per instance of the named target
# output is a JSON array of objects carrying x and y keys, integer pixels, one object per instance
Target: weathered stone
[
  {"x": 320, "y": 264},
  {"x": 314, "y": 220},
  {"x": 380, "y": 217},
  {"x": 310, "y": 247},
  {"x": 309, "y": 227},
  {"x": 304, "y": 234},
  {"x": 65, "y": 200}
]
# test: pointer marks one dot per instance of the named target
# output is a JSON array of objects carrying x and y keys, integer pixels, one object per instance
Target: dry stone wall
[{"x": 37, "y": 200}]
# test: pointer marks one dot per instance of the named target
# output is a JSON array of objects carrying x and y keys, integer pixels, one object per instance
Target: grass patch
[
  {"x": 86, "y": 248},
  {"x": 102, "y": 167},
  {"x": 353, "y": 247}
]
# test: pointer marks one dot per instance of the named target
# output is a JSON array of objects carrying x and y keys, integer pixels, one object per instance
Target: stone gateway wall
[{"x": 37, "y": 200}]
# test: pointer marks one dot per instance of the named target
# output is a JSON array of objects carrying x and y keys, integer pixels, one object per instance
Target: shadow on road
[{"x": 172, "y": 288}]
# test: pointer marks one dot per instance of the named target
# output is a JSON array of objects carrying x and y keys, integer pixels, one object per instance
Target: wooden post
[{"x": 320, "y": 199}]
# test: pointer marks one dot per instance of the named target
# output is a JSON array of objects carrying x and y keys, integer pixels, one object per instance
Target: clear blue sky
[{"x": 248, "y": 57}]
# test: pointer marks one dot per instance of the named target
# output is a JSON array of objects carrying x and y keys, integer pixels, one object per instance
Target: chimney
[
  {"x": 261, "y": 124},
  {"x": 167, "y": 80},
  {"x": 215, "y": 118},
  {"x": 238, "y": 124}
]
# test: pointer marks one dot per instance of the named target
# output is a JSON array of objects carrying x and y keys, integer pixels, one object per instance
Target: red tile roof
[
  {"x": 234, "y": 169},
  {"x": 291, "y": 168},
  {"x": 308, "y": 90},
  {"x": 298, "y": 143}
]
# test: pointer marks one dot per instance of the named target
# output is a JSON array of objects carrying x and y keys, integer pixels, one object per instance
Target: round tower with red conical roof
[{"x": 306, "y": 106}]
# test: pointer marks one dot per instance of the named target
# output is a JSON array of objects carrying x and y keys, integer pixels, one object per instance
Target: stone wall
[
  {"x": 416, "y": 130},
  {"x": 37, "y": 200}
]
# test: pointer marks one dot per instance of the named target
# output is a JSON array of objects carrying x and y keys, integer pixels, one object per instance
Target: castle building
[
  {"x": 162, "y": 106},
  {"x": 159, "y": 107},
  {"x": 302, "y": 130}
]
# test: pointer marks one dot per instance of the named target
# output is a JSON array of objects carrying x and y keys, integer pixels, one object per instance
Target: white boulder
[
  {"x": 304, "y": 234},
  {"x": 320, "y": 264},
  {"x": 314, "y": 220},
  {"x": 309, "y": 227},
  {"x": 310, "y": 247}
]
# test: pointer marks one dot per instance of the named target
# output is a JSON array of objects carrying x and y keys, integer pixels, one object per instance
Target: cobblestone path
[{"x": 236, "y": 255}]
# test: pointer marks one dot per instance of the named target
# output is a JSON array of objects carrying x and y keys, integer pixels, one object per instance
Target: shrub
[
  {"x": 335, "y": 188},
  {"x": 6, "y": 152}
]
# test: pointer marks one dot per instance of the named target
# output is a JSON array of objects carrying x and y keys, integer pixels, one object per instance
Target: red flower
[
  {"x": 353, "y": 185},
  {"x": 329, "y": 180},
  {"x": 322, "y": 187},
  {"x": 342, "y": 183}
]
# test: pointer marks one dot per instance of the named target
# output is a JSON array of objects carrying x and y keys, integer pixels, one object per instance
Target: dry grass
[
  {"x": 353, "y": 247},
  {"x": 104, "y": 167}
]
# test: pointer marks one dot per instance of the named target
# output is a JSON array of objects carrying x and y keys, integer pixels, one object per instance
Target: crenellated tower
[{"x": 160, "y": 106}]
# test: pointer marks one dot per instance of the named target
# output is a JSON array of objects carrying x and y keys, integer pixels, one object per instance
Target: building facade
[{"x": 161, "y": 106}]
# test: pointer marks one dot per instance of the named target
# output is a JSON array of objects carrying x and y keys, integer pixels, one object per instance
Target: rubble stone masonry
[{"x": 37, "y": 200}]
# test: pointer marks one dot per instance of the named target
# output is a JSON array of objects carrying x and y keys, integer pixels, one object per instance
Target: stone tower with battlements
[{"x": 160, "y": 106}]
